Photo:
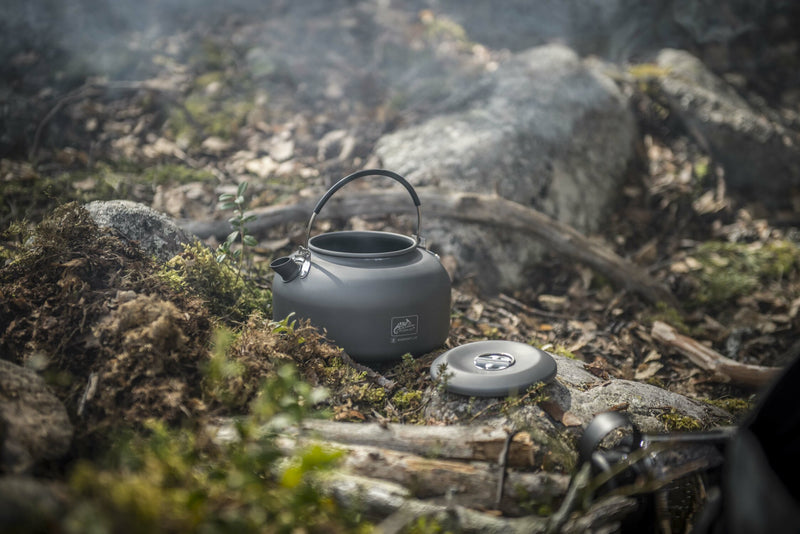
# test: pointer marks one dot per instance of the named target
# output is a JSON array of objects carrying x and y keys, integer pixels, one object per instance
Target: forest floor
[
  {"x": 202, "y": 120},
  {"x": 188, "y": 124}
]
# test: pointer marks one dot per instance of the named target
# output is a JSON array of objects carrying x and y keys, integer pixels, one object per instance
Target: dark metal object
[
  {"x": 503, "y": 462},
  {"x": 493, "y": 368},
  {"x": 378, "y": 295}
]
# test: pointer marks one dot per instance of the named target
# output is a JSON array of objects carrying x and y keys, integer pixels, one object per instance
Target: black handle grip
[{"x": 360, "y": 174}]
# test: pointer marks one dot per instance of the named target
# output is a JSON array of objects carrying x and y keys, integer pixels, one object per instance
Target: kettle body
[{"x": 378, "y": 295}]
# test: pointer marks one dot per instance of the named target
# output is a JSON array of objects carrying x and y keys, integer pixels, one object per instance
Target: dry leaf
[
  {"x": 647, "y": 370},
  {"x": 570, "y": 419}
]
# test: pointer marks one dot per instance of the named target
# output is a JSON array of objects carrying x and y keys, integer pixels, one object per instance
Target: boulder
[
  {"x": 34, "y": 425},
  {"x": 761, "y": 157},
  {"x": 573, "y": 399},
  {"x": 154, "y": 232},
  {"x": 545, "y": 130},
  {"x": 615, "y": 29}
]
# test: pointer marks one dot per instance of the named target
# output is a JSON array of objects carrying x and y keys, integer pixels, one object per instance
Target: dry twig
[{"x": 722, "y": 368}]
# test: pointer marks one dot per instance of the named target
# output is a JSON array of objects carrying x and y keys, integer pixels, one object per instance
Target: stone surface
[
  {"x": 156, "y": 233},
  {"x": 545, "y": 130},
  {"x": 34, "y": 425},
  {"x": 30, "y": 505},
  {"x": 615, "y": 29},
  {"x": 760, "y": 156},
  {"x": 573, "y": 399}
]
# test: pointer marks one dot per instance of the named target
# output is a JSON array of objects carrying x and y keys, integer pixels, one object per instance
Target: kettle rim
[{"x": 365, "y": 244}]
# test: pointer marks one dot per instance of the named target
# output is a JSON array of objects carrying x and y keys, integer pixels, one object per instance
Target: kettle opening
[{"x": 362, "y": 244}]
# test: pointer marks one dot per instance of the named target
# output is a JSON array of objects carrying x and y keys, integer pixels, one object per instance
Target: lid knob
[{"x": 494, "y": 361}]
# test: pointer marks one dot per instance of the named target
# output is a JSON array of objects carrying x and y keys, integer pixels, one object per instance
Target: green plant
[
  {"x": 182, "y": 480},
  {"x": 239, "y": 222},
  {"x": 221, "y": 375}
]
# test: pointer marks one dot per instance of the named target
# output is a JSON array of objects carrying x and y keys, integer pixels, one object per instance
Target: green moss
[
  {"x": 560, "y": 350},
  {"x": 730, "y": 270},
  {"x": 426, "y": 525},
  {"x": 28, "y": 193},
  {"x": 655, "y": 381},
  {"x": 735, "y": 406},
  {"x": 667, "y": 314},
  {"x": 204, "y": 115},
  {"x": 227, "y": 294},
  {"x": 676, "y": 422},
  {"x": 407, "y": 400},
  {"x": 369, "y": 394}
]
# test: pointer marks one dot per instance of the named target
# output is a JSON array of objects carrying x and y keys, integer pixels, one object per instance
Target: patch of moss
[
  {"x": 675, "y": 422},
  {"x": 90, "y": 304},
  {"x": 730, "y": 270},
  {"x": 407, "y": 400},
  {"x": 227, "y": 294},
  {"x": 737, "y": 407},
  {"x": 667, "y": 314},
  {"x": 427, "y": 525},
  {"x": 28, "y": 193},
  {"x": 560, "y": 350},
  {"x": 204, "y": 115}
]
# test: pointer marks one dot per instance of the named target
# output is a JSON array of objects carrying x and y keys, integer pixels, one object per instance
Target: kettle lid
[{"x": 493, "y": 368}]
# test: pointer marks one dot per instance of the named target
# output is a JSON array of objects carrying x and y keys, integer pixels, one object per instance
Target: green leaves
[{"x": 239, "y": 221}]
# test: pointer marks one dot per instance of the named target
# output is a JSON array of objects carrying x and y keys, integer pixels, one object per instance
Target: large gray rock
[
  {"x": 34, "y": 425},
  {"x": 616, "y": 29},
  {"x": 572, "y": 401},
  {"x": 546, "y": 130},
  {"x": 155, "y": 233},
  {"x": 760, "y": 156}
]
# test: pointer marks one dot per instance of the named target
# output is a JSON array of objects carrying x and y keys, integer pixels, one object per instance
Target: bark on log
[
  {"x": 470, "y": 484},
  {"x": 389, "y": 483},
  {"x": 469, "y": 207},
  {"x": 454, "y": 442},
  {"x": 721, "y": 368},
  {"x": 391, "y": 501}
]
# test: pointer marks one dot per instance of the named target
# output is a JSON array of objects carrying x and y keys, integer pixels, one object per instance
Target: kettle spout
[{"x": 286, "y": 267}]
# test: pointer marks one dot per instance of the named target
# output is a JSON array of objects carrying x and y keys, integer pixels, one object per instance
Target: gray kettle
[{"x": 378, "y": 295}]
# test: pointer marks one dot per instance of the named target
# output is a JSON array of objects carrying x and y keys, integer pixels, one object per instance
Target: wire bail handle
[{"x": 361, "y": 174}]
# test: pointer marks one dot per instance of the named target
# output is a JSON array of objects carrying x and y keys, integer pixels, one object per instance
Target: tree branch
[
  {"x": 468, "y": 207},
  {"x": 722, "y": 368}
]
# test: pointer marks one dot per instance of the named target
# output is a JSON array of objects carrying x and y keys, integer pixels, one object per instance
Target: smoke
[{"x": 412, "y": 53}]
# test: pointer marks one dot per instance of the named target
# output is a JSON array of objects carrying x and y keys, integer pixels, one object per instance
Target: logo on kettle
[{"x": 404, "y": 327}]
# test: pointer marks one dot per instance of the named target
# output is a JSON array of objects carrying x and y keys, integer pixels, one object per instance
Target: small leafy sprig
[{"x": 239, "y": 222}]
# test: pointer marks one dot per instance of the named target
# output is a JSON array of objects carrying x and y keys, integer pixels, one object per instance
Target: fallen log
[
  {"x": 379, "y": 499},
  {"x": 454, "y": 442},
  {"x": 469, "y": 207},
  {"x": 721, "y": 368},
  {"x": 469, "y": 484},
  {"x": 461, "y": 462}
]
